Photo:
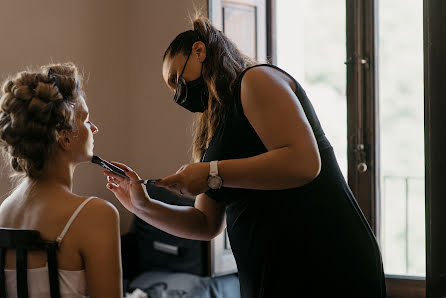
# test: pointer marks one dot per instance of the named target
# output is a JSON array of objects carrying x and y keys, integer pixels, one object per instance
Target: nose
[{"x": 94, "y": 128}]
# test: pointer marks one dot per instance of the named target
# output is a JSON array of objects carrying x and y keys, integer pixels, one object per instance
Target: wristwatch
[{"x": 214, "y": 180}]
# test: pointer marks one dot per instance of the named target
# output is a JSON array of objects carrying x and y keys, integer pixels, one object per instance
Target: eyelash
[{"x": 173, "y": 80}]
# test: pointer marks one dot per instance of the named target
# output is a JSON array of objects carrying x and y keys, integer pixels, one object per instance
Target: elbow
[
  {"x": 211, "y": 228},
  {"x": 306, "y": 167},
  {"x": 311, "y": 170},
  {"x": 208, "y": 236},
  {"x": 214, "y": 232},
  {"x": 316, "y": 168}
]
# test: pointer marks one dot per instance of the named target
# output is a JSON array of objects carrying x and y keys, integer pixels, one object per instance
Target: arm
[
  {"x": 100, "y": 249},
  {"x": 204, "y": 221},
  {"x": 275, "y": 113}
]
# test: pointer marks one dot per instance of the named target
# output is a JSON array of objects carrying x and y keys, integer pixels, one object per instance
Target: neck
[{"x": 58, "y": 171}]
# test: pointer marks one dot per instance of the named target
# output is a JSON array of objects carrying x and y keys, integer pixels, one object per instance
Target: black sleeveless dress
[{"x": 309, "y": 241}]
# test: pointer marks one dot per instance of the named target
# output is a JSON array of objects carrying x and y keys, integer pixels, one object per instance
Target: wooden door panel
[
  {"x": 244, "y": 22},
  {"x": 239, "y": 22}
]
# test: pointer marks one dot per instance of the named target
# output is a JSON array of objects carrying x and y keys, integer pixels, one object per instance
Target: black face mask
[{"x": 192, "y": 95}]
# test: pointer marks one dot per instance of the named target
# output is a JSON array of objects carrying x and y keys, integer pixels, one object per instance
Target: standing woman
[{"x": 262, "y": 158}]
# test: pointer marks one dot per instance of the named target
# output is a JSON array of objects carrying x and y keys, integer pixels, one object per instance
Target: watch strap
[{"x": 213, "y": 168}]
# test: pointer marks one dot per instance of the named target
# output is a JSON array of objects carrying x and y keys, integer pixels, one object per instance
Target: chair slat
[
  {"x": 2, "y": 273},
  {"x": 22, "y": 274},
  {"x": 52, "y": 271},
  {"x": 23, "y": 241}
]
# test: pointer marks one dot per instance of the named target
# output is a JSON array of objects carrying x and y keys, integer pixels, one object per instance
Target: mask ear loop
[
  {"x": 180, "y": 81},
  {"x": 184, "y": 67}
]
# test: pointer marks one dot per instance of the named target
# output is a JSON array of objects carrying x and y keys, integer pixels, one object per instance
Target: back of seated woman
[{"x": 45, "y": 132}]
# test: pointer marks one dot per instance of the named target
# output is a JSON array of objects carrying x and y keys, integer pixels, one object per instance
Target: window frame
[
  {"x": 363, "y": 127},
  {"x": 362, "y": 107},
  {"x": 434, "y": 14},
  {"x": 362, "y": 41}
]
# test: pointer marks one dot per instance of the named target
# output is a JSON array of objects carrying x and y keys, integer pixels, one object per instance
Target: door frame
[{"x": 435, "y": 143}]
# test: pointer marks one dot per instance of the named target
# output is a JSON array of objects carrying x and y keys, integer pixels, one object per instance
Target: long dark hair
[{"x": 223, "y": 63}]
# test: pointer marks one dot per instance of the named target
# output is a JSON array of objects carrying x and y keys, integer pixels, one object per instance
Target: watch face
[{"x": 214, "y": 182}]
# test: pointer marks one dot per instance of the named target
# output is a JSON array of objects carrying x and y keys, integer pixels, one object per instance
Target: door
[{"x": 245, "y": 23}]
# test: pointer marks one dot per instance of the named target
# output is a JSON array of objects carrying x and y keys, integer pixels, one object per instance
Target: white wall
[{"x": 119, "y": 45}]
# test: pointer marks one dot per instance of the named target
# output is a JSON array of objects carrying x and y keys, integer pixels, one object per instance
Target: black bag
[{"x": 158, "y": 250}]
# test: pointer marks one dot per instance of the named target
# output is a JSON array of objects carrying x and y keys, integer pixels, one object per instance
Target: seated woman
[{"x": 45, "y": 132}]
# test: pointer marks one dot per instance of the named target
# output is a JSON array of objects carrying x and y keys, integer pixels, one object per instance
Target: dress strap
[{"x": 72, "y": 218}]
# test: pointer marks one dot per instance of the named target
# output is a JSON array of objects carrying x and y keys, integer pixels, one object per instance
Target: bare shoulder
[
  {"x": 261, "y": 84},
  {"x": 6, "y": 203},
  {"x": 97, "y": 219},
  {"x": 99, "y": 208},
  {"x": 6, "y": 211},
  {"x": 263, "y": 76},
  {"x": 96, "y": 216}
]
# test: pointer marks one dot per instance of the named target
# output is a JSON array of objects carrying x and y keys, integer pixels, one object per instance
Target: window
[
  {"x": 383, "y": 99},
  {"x": 380, "y": 145},
  {"x": 310, "y": 45},
  {"x": 401, "y": 119}
]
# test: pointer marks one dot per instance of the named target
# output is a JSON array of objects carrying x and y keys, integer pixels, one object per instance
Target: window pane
[
  {"x": 311, "y": 46},
  {"x": 402, "y": 136}
]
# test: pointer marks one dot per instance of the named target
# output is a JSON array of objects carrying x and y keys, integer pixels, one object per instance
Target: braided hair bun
[{"x": 34, "y": 107}]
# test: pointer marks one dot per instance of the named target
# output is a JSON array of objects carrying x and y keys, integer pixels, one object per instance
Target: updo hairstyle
[{"x": 34, "y": 107}]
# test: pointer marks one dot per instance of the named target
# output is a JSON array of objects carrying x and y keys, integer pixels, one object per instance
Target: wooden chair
[{"x": 23, "y": 241}]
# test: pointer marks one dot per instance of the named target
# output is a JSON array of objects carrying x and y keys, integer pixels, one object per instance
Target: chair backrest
[{"x": 23, "y": 241}]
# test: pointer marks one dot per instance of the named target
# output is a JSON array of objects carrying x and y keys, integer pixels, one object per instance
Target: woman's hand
[
  {"x": 132, "y": 195},
  {"x": 190, "y": 179}
]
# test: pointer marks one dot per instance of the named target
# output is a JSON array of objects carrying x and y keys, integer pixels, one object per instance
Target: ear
[
  {"x": 65, "y": 140},
  {"x": 199, "y": 49}
]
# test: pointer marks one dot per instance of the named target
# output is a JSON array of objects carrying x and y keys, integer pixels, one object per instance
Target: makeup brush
[{"x": 117, "y": 170}]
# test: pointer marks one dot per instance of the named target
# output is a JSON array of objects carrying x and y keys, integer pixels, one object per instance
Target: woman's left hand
[{"x": 190, "y": 179}]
